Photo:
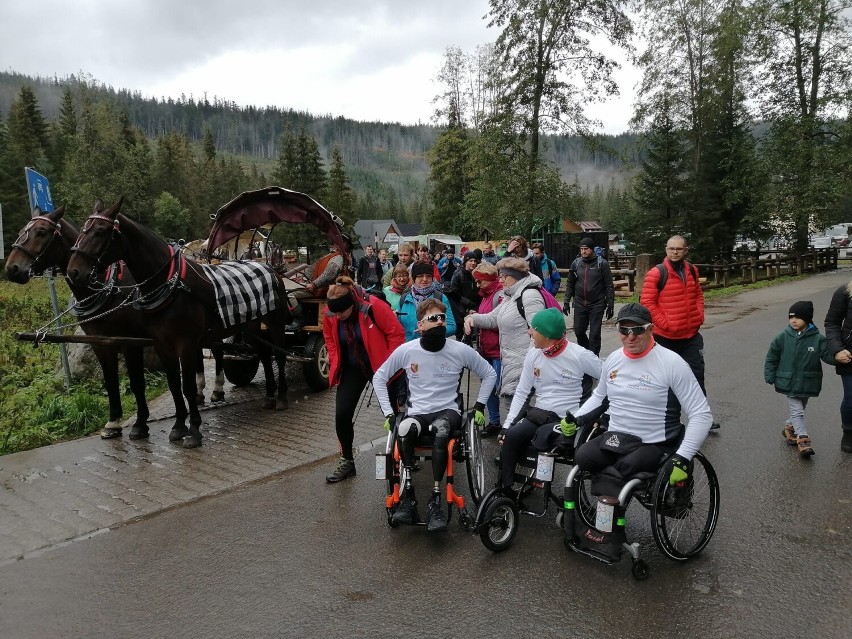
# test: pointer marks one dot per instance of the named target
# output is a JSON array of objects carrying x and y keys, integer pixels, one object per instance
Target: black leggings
[{"x": 352, "y": 384}]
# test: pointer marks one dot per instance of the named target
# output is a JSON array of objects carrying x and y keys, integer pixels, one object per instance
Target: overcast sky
[{"x": 362, "y": 59}]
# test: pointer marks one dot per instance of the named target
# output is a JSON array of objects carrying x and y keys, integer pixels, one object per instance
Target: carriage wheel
[
  {"x": 316, "y": 371},
  {"x": 241, "y": 371},
  {"x": 683, "y": 518}
]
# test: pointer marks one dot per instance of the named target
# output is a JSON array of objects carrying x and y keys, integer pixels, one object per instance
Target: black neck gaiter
[{"x": 434, "y": 339}]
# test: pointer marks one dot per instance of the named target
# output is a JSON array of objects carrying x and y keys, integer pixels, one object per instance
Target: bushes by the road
[{"x": 35, "y": 407}]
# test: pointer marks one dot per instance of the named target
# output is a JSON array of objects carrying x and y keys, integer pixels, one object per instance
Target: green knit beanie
[{"x": 550, "y": 322}]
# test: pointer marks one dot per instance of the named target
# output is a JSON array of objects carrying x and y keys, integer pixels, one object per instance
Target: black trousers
[
  {"x": 443, "y": 425},
  {"x": 352, "y": 384},
  {"x": 691, "y": 351},
  {"x": 612, "y": 468},
  {"x": 516, "y": 442},
  {"x": 589, "y": 318}
]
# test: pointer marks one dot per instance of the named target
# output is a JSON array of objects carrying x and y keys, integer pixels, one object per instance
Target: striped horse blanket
[{"x": 244, "y": 290}]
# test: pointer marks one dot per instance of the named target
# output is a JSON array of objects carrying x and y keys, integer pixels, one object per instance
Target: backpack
[
  {"x": 664, "y": 274},
  {"x": 549, "y": 300},
  {"x": 580, "y": 259}
]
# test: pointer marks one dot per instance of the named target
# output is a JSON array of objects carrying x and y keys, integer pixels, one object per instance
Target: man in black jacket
[
  {"x": 369, "y": 271},
  {"x": 589, "y": 284}
]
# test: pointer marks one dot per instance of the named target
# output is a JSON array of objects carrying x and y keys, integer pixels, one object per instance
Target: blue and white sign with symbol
[{"x": 39, "y": 189}]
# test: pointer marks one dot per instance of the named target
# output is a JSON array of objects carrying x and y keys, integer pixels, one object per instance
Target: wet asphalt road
[{"x": 290, "y": 556}]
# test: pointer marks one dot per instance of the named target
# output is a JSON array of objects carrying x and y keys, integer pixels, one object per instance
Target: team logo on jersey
[
  {"x": 565, "y": 374},
  {"x": 613, "y": 441},
  {"x": 536, "y": 372},
  {"x": 613, "y": 374},
  {"x": 415, "y": 367}
]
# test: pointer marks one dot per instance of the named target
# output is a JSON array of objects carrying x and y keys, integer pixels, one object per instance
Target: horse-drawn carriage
[{"x": 255, "y": 214}]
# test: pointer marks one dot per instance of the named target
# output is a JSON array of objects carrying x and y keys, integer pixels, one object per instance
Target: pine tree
[{"x": 340, "y": 198}]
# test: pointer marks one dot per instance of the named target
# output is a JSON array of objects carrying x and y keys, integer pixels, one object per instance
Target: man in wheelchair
[
  {"x": 553, "y": 370},
  {"x": 434, "y": 367},
  {"x": 646, "y": 386}
]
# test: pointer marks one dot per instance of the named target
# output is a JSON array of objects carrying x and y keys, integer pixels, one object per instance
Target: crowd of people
[{"x": 413, "y": 328}]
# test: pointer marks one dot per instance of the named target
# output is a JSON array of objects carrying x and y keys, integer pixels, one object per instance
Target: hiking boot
[
  {"x": 804, "y": 444},
  {"x": 345, "y": 469},
  {"x": 436, "y": 520},
  {"x": 846, "y": 442},
  {"x": 406, "y": 512},
  {"x": 789, "y": 434},
  {"x": 490, "y": 430}
]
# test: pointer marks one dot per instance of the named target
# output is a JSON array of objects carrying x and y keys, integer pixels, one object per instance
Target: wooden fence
[{"x": 629, "y": 271}]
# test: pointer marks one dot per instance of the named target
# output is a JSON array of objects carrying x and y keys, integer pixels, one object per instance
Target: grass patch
[{"x": 35, "y": 407}]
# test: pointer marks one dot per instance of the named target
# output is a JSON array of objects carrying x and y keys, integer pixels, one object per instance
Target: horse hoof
[
  {"x": 268, "y": 402},
  {"x": 110, "y": 433},
  {"x": 217, "y": 396},
  {"x": 280, "y": 404},
  {"x": 139, "y": 432},
  {"x": 192, "y": 441},
  {"x": 177, "y": 434}
]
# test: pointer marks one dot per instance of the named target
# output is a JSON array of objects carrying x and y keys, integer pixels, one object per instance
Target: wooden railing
[{"x": 722, "y": 274}]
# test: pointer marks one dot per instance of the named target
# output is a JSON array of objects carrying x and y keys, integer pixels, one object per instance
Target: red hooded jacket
[
  {"x": 677, "y": 310},
  {"x": 380, "y": 331}
]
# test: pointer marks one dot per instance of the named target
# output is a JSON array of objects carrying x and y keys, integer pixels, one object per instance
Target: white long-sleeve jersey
[
  {"x": 557, "y": 381},
  {"x": 640, "y": 402},
  {"x": 434, "y": 378}
]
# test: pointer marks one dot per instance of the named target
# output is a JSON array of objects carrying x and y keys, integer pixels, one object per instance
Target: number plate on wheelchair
[
  {"x": 381, "y": 466},
  {"x": 544, "y": 467},
  {"x": 603, "y": 516}
]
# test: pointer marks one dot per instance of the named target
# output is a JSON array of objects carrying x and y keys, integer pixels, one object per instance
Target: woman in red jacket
[
  {"x": 491, "y": 292},
  {"x": 360, "y": 334}
]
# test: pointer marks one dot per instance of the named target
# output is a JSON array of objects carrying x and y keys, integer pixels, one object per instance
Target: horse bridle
[
  {"x": 96, "y": 259},
  {"x": 25, "y": 232}
]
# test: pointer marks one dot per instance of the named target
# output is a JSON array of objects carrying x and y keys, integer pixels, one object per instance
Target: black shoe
[
  {"x": 715, "y": 426},
  {"x": 490, "y": 430},
  {"x": 846, "y": 442},
  {"x": 345, "y": 469},
  {"x": 297, "y": 324},
  {"x": 406, "y": 512},
  {"x": 436, "y": 520}
]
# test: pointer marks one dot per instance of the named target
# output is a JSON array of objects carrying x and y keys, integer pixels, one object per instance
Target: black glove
[
  {"x": 609, "y": 312},
  {"x": 566, "y": 307}
]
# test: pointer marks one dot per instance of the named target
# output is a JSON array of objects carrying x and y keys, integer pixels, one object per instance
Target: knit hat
[
  {"x": 422, "y": 268},
  {"x": 803, "y": 310},
  {"x": 550, "y": 322},
  {"x": 470, "y": 255},
  {"x": 587, "y": 242},
  {"x": 634, "y": 312}
]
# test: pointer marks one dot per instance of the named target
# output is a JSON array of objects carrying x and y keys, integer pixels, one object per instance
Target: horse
[
  {"x": 45, "y": 243},
  {"x": 186, "y": 304}
]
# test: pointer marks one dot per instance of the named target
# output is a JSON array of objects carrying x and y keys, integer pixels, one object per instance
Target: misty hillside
[{"x": 385, "y": 159}]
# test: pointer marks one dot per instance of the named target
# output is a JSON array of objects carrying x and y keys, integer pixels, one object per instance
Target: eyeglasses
[
  {"x": 437, "y": 317},
  {"x": 633, "y": 330}
]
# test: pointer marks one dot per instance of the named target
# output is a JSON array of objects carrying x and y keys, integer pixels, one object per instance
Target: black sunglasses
[
  {"x": 437, "y": 317},
  {"x": 633, "y": 330}
]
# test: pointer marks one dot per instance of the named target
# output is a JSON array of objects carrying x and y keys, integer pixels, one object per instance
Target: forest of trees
[{"x": 741, "y": 126}]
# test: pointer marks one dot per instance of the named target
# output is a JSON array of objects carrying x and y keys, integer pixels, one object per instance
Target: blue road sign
[{"x": 39, "y": 190}]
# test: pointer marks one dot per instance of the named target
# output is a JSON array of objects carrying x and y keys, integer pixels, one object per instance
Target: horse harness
[{"x": 57, "y": 232}]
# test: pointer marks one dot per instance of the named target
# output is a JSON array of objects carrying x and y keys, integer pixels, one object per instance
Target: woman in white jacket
[{"x": 511, "y": 325}]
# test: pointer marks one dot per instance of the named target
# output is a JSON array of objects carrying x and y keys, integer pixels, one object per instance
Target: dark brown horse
[
  {"x": 45, "y": 243},
  {"x": 182, "y": 306}
]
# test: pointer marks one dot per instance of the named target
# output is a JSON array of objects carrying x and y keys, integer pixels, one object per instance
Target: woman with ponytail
[{"x": 360, "y": 334}]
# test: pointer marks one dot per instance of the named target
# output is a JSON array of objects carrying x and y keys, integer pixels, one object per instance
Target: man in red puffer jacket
[{"x": 677, "y": 307}]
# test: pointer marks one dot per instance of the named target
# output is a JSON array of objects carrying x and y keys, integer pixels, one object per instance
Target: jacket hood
[{"x": 529, "y": 280}]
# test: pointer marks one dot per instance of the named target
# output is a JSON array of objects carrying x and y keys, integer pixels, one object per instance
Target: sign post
[{"x": 38, "y": 188}]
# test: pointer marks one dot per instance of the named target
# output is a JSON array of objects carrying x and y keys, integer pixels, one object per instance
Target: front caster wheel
[
  {"x": 499, "y": 525},
  {"x": 640, "y": 569}
]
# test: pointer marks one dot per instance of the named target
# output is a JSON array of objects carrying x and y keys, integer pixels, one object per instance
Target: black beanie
[
  {"x": 587, "y": 241},
  {"x": 422, "y": 268},
  {"x": 803, "y": 310}
]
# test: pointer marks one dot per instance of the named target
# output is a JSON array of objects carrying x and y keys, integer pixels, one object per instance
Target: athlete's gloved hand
[
  {"x": 566, "y": 307},
  {"x": 680, "y": 470},
  {"x": 568, "y": 425},
  {"x": 478, "y": 414},
  {"x": 610, "y": 311},
  {"x": 388, "y": 422}
]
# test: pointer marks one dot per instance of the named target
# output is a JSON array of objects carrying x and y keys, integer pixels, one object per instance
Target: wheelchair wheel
[
  {"x": 474, "y": 461},
  {"x": 683, "y": 518},
  {"x": 499, "y": 525},
  {"x": 586, "y": 502}
]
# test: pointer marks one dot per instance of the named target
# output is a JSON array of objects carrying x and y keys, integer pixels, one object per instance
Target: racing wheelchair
[
  {"x": 683, "y": 516},
  {"x": 498, "y": 516},
  {"x": 463, "y": 445}
]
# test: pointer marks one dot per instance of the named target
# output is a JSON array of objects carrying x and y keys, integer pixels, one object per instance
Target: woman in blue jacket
[{"x": 423, "y": 287}]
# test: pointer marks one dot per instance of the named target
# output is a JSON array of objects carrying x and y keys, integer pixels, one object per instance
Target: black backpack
[{"x": 664, "y": 276}]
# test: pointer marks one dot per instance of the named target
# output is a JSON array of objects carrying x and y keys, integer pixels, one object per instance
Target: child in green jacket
[{"x": 793, "y": 365}]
